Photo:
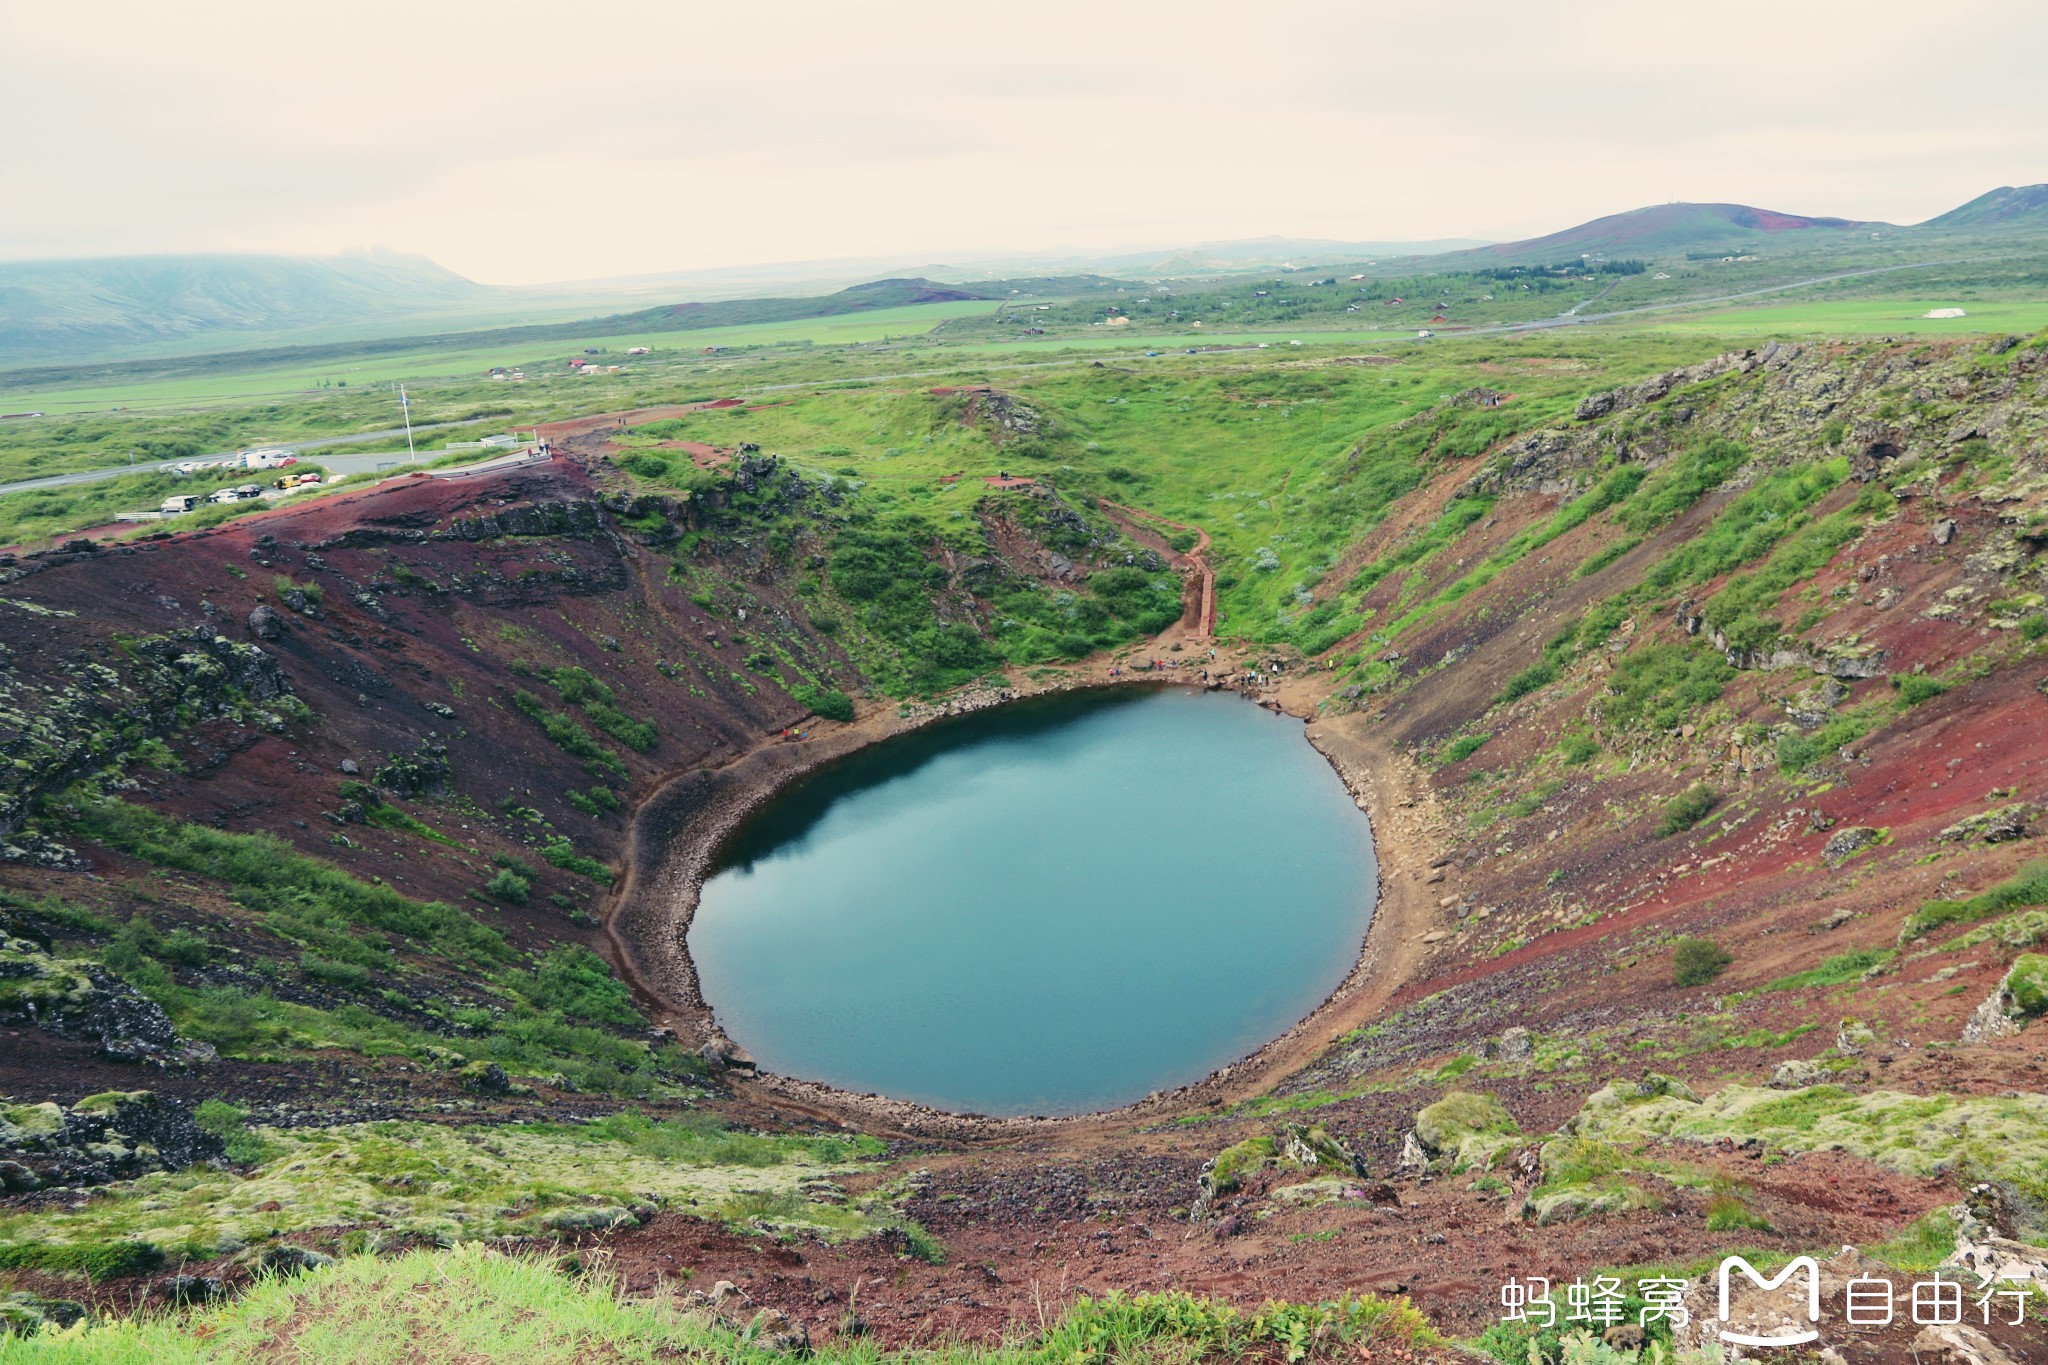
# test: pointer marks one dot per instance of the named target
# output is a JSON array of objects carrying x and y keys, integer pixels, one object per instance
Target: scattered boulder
[
  {"x": 1846, "y": 843},
  {"x": 601, "y": 1218},
  {"x": 2021, "y": 996},
  {"x": 1623, "y": 1336},
  {"x": 1992, "y": 826},
  {"x": 774, "y": 1330},
  {"x": 723, "y": 1054},
  {"x": 1517, "y": 1045},
  {"x": 189, "y": 1289},
  {"x": 1798, "y": 1074},
  {"x": 1960, "y": 1343},
  {"x": 1462, "y": 1130},
  {"x": 1565, "y": 1205},
  {"x": 486, "y": 1078},
  {"x": 286, "y": 1259},
  {"x": 24, "y": 1314},
  {"x": 1618, "y": 1094},
  {"x": 112, "y": 1136},
  {"x": 266, "y": 624},
  {"x": 1852, "y": 1036},
  {"x": 81, "y": 1001},
  {"x": 1224, "y": 1173},
  {"x": 1944, "y": 530},
  {"x": 1313, "y": 1146}
]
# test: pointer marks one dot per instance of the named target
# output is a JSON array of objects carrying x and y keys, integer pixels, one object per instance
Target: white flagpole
[{"x": 405, "y": 406}]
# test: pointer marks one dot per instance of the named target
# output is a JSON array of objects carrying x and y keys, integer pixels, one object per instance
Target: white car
[{"x": 223, "y": 496}]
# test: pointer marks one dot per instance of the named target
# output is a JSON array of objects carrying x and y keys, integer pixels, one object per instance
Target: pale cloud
[{"x": 523, "y": 141}]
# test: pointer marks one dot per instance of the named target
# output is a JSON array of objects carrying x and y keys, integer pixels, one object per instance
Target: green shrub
[
  {"x": 2034, "y": 627},
  {"x": 644, "y": 465},
  {"x": 827, "y": 702},
  {"x": 312, "y": 591},
  {"x": 577, "y": 983},
  {"x": 95, "y": 1260},
  {"x": 1797, "y": 753},
  {"x": 561, "y": 853},
  {"x": 1463, "y": 747},
  {"x": 1660, "y": 686},
  {"x": 1529, "y": 680},
  {"x": 1696, "y": 961},
  {"x": 298, "y": 893},
  {"x": 1687, "y": 809},
  {"x": 1727, "y": 1213},
  {"x": 1915, "y": 688},
  {"x": 508, "y": 886},
  {"x": 2028, "y": 982},
  {"x": 231, "y": 1125},
  {"x": 1578, "y": 746},
  {"x": 1679, "y": 483},
  {"x": 344, "y": 974},
  {"x": 599, "y": 800},
  {"x": 1839, "y": 970},
  {"x": 2027, "y": 888}
]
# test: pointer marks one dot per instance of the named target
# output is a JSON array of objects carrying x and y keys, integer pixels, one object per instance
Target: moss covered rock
[
  {"x": 1465, "y": 1129},
  {"x": 1314, "y": 1146},
  {"x": 2027, "y": 983},
  {"x": 1992, "y": 1137},
  {"x": 1562, "y": 1206}
]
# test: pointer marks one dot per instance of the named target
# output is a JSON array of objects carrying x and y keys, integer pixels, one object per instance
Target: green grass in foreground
[
  {"x": 447, "y": 1185},
  {"x": 482, "y": 1306}
]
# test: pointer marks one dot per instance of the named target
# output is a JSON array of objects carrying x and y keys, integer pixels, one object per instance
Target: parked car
[
  {"x": 308, "y": 479},
  {"x": 183, "y": 502},
  {"x": 223, "y": 496},
  {"x": 248, "y": 490}
]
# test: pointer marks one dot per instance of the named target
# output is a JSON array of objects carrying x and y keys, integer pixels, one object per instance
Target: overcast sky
[{"x": 520, "y": 142}]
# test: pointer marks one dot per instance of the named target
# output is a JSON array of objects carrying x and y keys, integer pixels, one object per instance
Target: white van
[{"x": 184, "y": 502}]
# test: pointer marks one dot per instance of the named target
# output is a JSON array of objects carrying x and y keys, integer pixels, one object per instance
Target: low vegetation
[
  {"x": 1687, "y": 809},
  {"x": 1697, "y": 961},
  {"x": 482, "y": 1305}
]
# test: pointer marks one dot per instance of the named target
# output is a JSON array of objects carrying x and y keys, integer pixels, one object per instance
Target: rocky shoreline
[{"x": 677, "y": 833}]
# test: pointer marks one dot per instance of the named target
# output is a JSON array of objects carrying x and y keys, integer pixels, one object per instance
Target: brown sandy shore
[{"x": 677, "y": 833}]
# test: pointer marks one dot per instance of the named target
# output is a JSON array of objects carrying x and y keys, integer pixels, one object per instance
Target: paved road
[{"x": 340, "y": 464}]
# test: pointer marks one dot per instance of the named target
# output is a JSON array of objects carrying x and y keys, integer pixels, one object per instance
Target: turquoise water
[{"x": 1054, "y": 907}]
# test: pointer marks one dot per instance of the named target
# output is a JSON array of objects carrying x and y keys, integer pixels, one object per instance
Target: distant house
[
  {"x": 577, "y": 362},
  {"x": 1392, "y": 302}
]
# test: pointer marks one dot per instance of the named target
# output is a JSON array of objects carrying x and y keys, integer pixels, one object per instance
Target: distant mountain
[
  {"x": 2003, "y": 207},
  {"x": 1662, "y": 229},
  {"x": 859, "y": 298},
  {"x": 82, "y": 307}
]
